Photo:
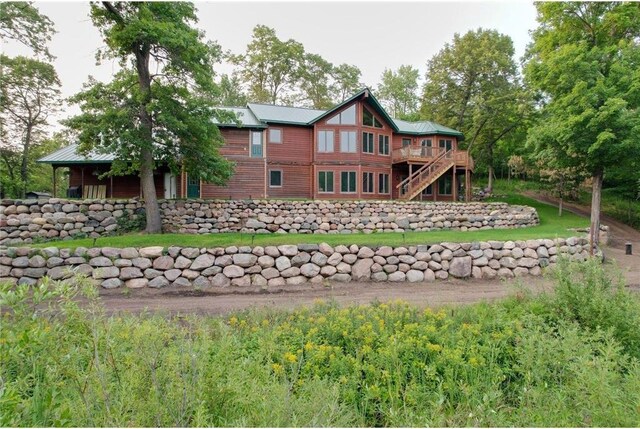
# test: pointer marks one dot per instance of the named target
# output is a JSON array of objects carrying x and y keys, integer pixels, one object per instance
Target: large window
[
  {"x": 367, "y": 182},
  {"x": 370, "y": 120},
  {"x": 367, "y": 142},
  {"x": 325, "y": 141},
  {"x": 406, "y": 142},
  {"x": 383, "y": 183},
  {"x": 346, "y": 117},
  {"x": 325, "y": 181},
  {"x": 444, "y": 185},
  {"x": 447, "y": 144},
  {"x": 348, "y": 182},
  {"x": 275, "y": 135},
  {"x": 275, "y": 178},
  {"x": 383, "y": 145},
  {"x": 348, "y": 141}
]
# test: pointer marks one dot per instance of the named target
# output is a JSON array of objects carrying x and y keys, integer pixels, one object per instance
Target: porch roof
[{"x": 69, "y": 155}]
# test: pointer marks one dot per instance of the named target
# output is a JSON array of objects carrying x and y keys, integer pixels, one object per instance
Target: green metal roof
[
  {"x": 244, "y": 115},
  {"x": 69, "y": 155},
  {"x": 284, "y": 114},
  {"x": 424, "y": 127}
]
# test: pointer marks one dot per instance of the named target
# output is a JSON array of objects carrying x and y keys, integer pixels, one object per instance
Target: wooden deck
[{"x": 425, "y": 155}]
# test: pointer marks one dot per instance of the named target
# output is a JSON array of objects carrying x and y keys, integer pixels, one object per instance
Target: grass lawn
[{"x": 551, "y": 226}]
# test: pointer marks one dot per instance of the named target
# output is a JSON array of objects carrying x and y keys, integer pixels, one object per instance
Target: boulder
[
  {"x": 151, "y": 252},
  {"x": 460, "y": 267},
  {"x": 361, "y": 270},
  {"x": 202, "y": 262}
]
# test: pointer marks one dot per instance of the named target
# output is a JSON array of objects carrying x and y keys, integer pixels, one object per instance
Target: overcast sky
[{"x": 370, "y": 35}]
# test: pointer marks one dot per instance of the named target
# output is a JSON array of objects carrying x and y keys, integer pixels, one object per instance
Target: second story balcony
[{"x": 427, "y": 154}]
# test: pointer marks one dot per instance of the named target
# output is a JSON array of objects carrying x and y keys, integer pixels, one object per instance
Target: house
[{"x": 351, "y": 151}]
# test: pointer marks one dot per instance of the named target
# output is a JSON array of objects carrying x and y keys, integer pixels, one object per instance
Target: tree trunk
[
  {"x": 154, "y": 222},
  {"x": 24, "y": 172},
  {"x": 596, "y": 193},
  {"x": 560, "y": 207},
  {"x": 490, "y": 181}
]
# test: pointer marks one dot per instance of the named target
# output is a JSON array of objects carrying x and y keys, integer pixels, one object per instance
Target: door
[
  {"x": 169, "y": 186},
  {"x": 193, "y": 188},
  {"x": 426, "y": 148},
  {"x": 256, "y": 144},
  {"x": 447, "y": 145}
]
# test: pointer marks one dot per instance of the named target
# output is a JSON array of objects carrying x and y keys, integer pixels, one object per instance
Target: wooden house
[{"x": 354, "y": 150}]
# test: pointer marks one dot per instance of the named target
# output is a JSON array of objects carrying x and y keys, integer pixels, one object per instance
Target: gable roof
[
  {"x": 70, "y": 155},
  {"x": 424, "y": 128}
]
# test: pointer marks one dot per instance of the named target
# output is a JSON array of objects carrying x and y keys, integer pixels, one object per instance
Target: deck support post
[
  {"x": 467, "y": 185},
  {"x": 54, "y": 179},
  {"x": 454, "y": 187}
]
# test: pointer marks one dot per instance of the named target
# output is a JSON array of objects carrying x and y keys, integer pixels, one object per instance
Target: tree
[
  {"x": 315, "y": 75},
  {"x": 147, "y": 118},
  {"x": 231, "y": 93},
  {"x": 472, "y": 85},
  {"x": 585, "y": 64},
  {"x": 30, "y": 93},
  {"x": 270, "y": 67},
  {"x": 398, "y": 91},
  {"x": 346, "y": 81},
  {"x": 22, "y": 22}
]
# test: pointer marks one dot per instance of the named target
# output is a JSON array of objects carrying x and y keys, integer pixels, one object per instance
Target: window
[
  {"x": 428, "y": 190},
  {"x": 275, "y": 135},
  {"x": 383, "y": 183},
  {"x": 367, "y": 182},
  {"x": 275, "y": 178},
  {"x": 426, "y": 143},
  {"x": 383, "y": 145},
  {"x": 447, "y": 144},
  {"x": 444, "y": 185},
  {"x": 367, "y": 142},
  {"x": 325, "y": 141},
  {"x": 370, "y": 120},
  {"x": 256, "y": 144},
  {"x": 348, "y": 182},
  {"x": 325, "y": 181},
  {"x": 346, "y": 117},
  {"x": 348, "y": 141},
  {"x": 406, "y": 142}
]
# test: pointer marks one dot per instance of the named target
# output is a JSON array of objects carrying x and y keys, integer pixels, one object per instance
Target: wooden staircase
[{"x": 425, "y": 176}]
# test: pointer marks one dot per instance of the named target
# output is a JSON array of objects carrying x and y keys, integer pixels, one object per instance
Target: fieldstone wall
[
  {"x": 274, "y": 267},
  {"x": 33, "y": 220}
]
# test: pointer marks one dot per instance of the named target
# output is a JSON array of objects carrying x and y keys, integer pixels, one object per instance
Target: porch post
[
  {"x": 111, "y": 186},
  {"x": 82, "y": 182},
  {"x": 54, "y": 180},
  {"x": 410, "y": 174},
  {"x": 454, "y": 190}
]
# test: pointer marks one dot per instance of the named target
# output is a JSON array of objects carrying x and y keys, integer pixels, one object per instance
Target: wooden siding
[
  {"x": 248, "y": 181},
  {"x": 123, "y": 186},
  {"x": 296, "y": 181},
  {"x": 359, "y": 170}
]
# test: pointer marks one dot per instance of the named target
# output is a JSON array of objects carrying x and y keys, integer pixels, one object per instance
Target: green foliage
[
  {"x": 346, "y": 81},
  {"x": 398, "y": 91},
  {"x": 22, "y": 22},
  {"x": 315, "y": 81},
  {"x": 472, "y": 85},
  {"x": 131, "y": 222},
  {"x": 565, "y": 359},
  {"x": 231, "y": 91},
  {"x": 584, "y": 63}
]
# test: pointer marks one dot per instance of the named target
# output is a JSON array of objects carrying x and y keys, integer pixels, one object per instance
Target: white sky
[{"x": 370, "y": 35}]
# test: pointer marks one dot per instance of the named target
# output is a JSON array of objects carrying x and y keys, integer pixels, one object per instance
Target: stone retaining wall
[
  {"x": 28, "y": 220},
  {"x": 273, "y": 267}
]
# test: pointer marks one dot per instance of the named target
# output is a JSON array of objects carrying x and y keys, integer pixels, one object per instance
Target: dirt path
[{"x": 176, "y": 300}]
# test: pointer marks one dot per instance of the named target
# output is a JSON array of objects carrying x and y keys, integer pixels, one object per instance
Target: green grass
[
  {"x": 567, "y": 359},
  {"x": 612, "y": 204},
  {"x": 551, "y": 226}
]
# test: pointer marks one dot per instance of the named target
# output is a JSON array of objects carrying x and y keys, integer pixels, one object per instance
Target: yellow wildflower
[{"x": 290, "y": 357}]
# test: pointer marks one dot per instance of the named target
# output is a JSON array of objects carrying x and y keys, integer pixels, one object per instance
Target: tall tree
[
  {"x": 472, "y": 85},
  {"x": 147, "y": 117},
  {"x": 346, "y": 81},
  {"x": 315, "y": 75},
  {"x": 270, "y": 67},
  {"x": 585, "y": 64},
  {"x": 22, "y": 22},
  {"x": 398, "y": 91},
  {"x": 30, "y": 93},
  {"x": 231, "y": 93}
]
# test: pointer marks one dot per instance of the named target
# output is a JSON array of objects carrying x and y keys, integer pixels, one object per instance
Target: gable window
[
  {"x": 325, "y": 181},
  {"x": 346, "y": 117},
  {"x": 406, "y": 142},
  {"x": 348, "y": 141},
  {"x": 444, "y": 185},
  {"x": 367, "y": 142},
  {"x": 370, "y": 120},
  {"x": 383, "y": 183},
  {"x": 325, "y": 141},
  {"x": 383, "y": 145},
  {"x": 348, "y": 182},
  {"x": 275, "y": 178},
  {"x": 275, "y": 135},
  {"x": 367, "y": 182}
]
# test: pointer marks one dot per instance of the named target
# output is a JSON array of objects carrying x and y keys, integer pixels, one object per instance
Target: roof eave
[{"x": 44, "y": 161}]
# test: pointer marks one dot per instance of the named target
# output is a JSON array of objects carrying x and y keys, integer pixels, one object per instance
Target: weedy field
[{"x": 565, "y": 359}]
